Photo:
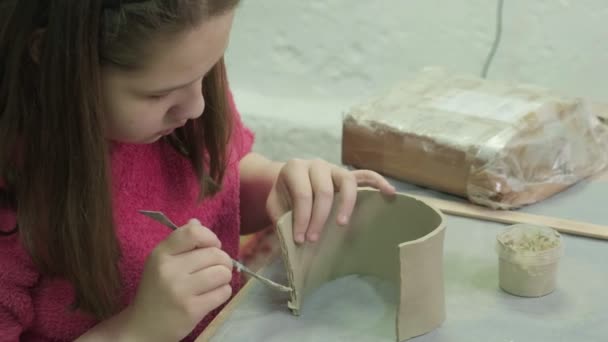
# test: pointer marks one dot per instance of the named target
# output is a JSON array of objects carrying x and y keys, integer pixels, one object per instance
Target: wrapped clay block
[{"x": 501, "y": 145}]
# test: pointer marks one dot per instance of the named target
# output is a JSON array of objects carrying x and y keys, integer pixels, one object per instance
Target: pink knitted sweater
[{"x": 152, "y": 177}]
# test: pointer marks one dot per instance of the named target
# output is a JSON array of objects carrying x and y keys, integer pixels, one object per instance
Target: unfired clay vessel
[{"x": 399, "y": 239}]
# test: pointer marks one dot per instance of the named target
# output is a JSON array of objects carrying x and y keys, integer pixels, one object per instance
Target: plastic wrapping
[{"x": 500, "y": 145}]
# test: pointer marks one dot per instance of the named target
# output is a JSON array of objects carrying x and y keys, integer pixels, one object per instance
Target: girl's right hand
[{"x": 185, "y": 277}]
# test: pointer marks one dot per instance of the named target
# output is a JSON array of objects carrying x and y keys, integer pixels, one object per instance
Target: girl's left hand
[{"x": 308, "y": 186}]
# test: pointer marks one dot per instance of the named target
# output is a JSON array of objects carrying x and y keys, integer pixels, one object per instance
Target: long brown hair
[{"x": 53, "y": 151}]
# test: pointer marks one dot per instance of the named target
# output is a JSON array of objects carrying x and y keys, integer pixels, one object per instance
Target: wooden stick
[{"x": 512, "y": 217}]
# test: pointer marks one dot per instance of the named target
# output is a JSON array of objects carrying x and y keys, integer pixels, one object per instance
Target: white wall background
[{"x": 297, "y": 66}]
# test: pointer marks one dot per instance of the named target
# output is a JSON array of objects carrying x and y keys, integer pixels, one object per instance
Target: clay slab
[{"x": 397, "y": 239}]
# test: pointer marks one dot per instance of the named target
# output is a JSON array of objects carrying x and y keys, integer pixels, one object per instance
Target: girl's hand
[
  {"x": 308, "y": 187},
  {"x": 185, "y": 278}
]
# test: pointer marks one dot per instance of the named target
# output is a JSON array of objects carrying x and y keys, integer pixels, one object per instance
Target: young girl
[{"x": 110, "y": 107}]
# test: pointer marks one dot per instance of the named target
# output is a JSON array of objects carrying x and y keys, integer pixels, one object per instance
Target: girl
[{"x": 109, "y": 107}]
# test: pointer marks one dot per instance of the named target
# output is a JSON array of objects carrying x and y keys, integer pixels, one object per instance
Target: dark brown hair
[{"x": 53, "y": 151}]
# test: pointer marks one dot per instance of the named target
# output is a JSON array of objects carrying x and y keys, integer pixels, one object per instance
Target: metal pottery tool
[{"x": 161, "y": 218}]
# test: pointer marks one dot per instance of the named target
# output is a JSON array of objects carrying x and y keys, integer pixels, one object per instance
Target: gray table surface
[{"x": 358, "y": 308}]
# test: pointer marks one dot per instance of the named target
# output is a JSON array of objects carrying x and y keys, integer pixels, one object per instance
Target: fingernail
[
  {"x": 300, "y": 238},
  {"x": 314, "y": 237},
  {"x": 342, "y": 220}
]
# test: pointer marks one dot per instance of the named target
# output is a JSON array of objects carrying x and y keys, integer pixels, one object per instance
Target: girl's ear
[{"x": 35, "y": 43}]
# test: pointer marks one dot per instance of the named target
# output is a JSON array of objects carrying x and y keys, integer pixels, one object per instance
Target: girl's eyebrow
[{"x": 172, "y": 88}]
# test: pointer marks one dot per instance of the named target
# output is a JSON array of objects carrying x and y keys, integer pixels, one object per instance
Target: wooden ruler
[{"x": 513, "y": 217}]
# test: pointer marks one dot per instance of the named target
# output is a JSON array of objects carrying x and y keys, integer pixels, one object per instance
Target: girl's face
[{"x": 143, "y": 105}]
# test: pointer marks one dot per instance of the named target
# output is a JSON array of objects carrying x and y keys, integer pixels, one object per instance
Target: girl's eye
[{"x": 157, "y": 96}]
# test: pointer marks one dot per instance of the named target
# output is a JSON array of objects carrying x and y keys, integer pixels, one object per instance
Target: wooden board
[
  {"x": 219, "y": 320},
  {"x": 462, "y": 209}
]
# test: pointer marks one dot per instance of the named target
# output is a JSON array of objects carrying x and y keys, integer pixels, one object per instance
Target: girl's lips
[{"x": 171, "y": 130}]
